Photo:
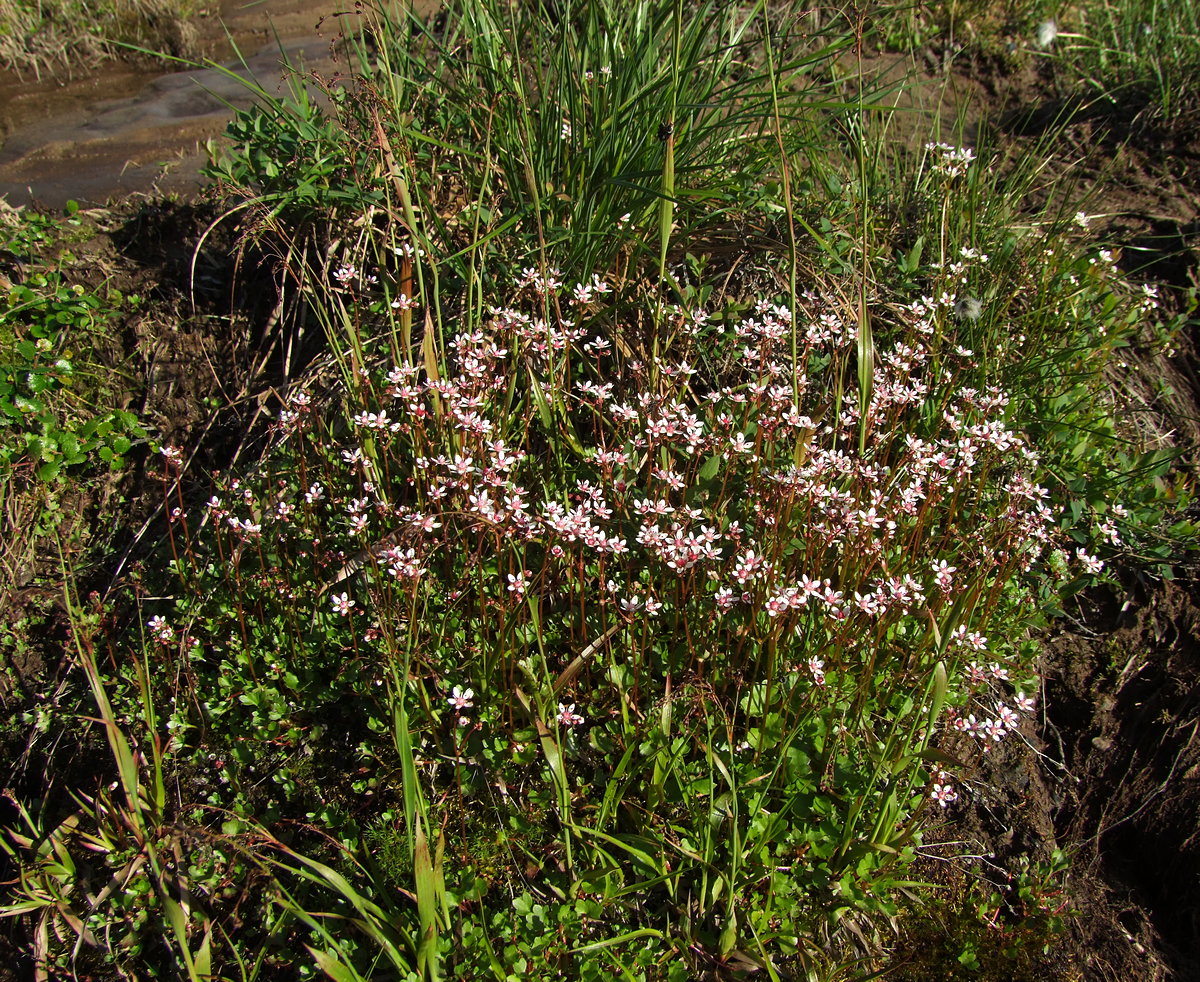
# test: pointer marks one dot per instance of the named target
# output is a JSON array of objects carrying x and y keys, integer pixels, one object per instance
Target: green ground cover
[{"x": 660, "y": 537}]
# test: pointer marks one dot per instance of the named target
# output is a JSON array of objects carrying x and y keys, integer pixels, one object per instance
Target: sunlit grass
[
  {"x": 59, "y": 37},
  {"x": 1141, "y": 55}
]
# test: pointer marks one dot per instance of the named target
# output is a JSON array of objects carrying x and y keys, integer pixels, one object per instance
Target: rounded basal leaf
[{"x": 39, "y": 382}]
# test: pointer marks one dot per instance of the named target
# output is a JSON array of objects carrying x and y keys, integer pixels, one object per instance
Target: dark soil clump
[{"x": 1123, "y": 704}]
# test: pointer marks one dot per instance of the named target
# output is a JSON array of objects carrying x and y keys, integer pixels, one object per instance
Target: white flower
[
  {"x": 342, "y": 603},
  {"x": 161, "y": 630},
  {"x": 992, "y": 729},
  {"x": 567, "y": 715},
  {"x": 460, "y": 698}
]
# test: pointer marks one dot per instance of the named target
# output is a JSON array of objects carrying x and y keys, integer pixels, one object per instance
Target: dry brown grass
[{"x": 60, "y": 37}]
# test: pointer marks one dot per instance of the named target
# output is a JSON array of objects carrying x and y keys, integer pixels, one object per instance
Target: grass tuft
[{"x": 59, "y": 37}]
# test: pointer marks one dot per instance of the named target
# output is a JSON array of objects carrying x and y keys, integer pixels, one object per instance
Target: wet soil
[
  {"x": 122, "y": 128},
  {"x": 196, "y": 366}
]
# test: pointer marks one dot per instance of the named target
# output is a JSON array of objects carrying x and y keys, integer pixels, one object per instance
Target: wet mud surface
[{"x": 120, "y": 129}]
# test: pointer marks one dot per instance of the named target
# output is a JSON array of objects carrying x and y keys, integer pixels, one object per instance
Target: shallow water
[{"x": 119, "y": 130}]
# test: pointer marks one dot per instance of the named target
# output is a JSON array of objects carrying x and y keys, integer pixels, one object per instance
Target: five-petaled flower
[
  {"x": 567, "y": 715},
  {"x": 460, "y": 698},
  {"x": 342, "y": 603},
  {"x": 519, "y": 582}
]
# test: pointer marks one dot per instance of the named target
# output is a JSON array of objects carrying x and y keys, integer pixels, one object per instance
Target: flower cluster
[
  {"x": 950, "y": 160},
  {"x": 754, "y": 499}
]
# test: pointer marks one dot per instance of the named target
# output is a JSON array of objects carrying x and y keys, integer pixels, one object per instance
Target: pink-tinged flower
[
  {"x": 426, "y": 523},
  {"x": 817, "y": 667},
  {"x": 777, "y": 604},
  {"x": 342, "y": 603},
  {"x": 1090, "y": 563},
  {"x": 944, "y": 795},
  {"x": 725, "y": 598},
  {"x": 811, "y": 588},
  {"x": 403, "y": 563},
  {"x": 161, "y": 630},
  {"x": 943, "y": 574},
  {"x": 1008, "y": 717},
  {"x": 740, "y": 446},
  {"x": 969, "y": 639},
  {"x": 1024, "y": 703},
  {"x": 460, "y": 699},
  {"x": 519, "y": 582},
  {"x": 992, "y": 729},
  {"x": 567, "y": 715},
  {"x": 869, "y": 603},
  {"x": 245, "y": 526}
]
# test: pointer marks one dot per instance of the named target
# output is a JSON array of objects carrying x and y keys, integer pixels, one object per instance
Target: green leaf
[
  {"x": 332, "y": 967},
  {"x": 49, "y": 470}
]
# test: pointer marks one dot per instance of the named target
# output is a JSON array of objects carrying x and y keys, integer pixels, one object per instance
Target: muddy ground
[
  {"x": 1110, "y": 772},
  {"x": 142, "y": 125}
]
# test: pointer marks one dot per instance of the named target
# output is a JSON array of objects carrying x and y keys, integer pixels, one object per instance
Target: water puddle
[{"x": 120, "y": 130}]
